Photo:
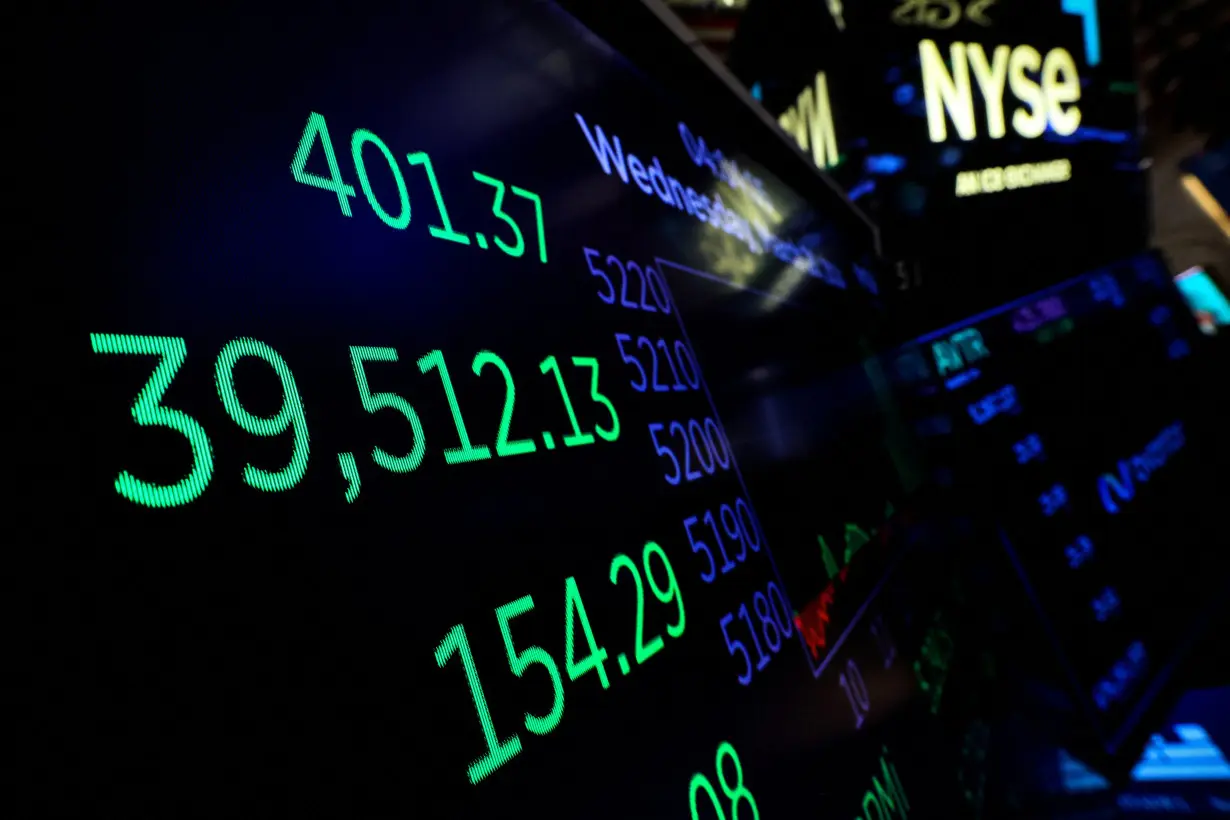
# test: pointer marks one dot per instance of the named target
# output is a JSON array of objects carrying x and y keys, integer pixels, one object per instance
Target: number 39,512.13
[{"x": 399, "y": 218}]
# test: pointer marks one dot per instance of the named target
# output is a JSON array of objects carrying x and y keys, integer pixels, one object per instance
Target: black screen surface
[{"x": 392, "y": 396}]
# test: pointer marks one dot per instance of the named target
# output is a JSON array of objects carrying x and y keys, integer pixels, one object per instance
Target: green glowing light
[
  {"x": 701, "y": 783},
  {"x": 830, "y": 565},
  {"x": 520, "y": 661},
  {"x": 498, "y": 752},
  {"x": 735, "y": 793},
  {"x": 574, "y": 609},
  {"x": 512, "y": 250},
  {"x": 643, "y": 652},
  {"x": 467, "y": 451},
  {"x": 549, "y": 365},
  {"x": 289, "y": 415},
  {"x": 542, "y": 236},
  {"x": 148, "y": 411},
  {"x": 671, "y": 593},
  {"x": 350, "y": 472},
  {"x": 605, "y": 435},
  {"x": 855, "y": 539},
  {"x": 378, "y": 401},
  {"x": 446, "y": 232},
  {"x": 504, "y": 447},
  {"x": 358, "y": 139},
  {"x": 316, "y": 125}
]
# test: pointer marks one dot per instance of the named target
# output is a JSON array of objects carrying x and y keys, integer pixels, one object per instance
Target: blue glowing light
[
  {"x": 950, "y": 156},
  {"x": 886, "y": 164},
  {"x": 1028, "y": 448},
  {"x": 1122, "y": 676},
  {"x": 1139, "y": 468},
  {"x": 1178, "y": 349},
  {"x": 1104, "y": 288},
  {"x": 862, "y": 189},
  {"x": 1159, "y": 315},
  {"x": 893, "y": 75},
  {"x": 1079, "y": 551},
  {"x": 953, "y": 382},
  {"x": 987, "y": 408},
  {"x": 1105, "y": 605},
  {"x": 1077, "y": 777},
  {"x": 866, "y": 279},
  {"x": 1087, "y": 10},
  {"x": 756, "y": 92},
  {"x": 1053, "y": 500},
  {"x": 1086, "y": 134},
  {"x": 1194, "y": 757},
  {"x": 904, "y": 94}
]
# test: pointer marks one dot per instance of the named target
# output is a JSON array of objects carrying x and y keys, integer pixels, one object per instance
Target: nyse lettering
[{"x": 1008, "y": 68}]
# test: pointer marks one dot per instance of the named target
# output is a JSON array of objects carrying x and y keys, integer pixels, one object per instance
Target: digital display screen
[
  {"x": 994, "y": 143},
  {"x": 463, "y": 422},
  {"x": 1080, "y": 416}
]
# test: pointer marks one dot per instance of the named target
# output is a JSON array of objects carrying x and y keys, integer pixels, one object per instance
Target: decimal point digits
[
  {"x": 624, "y": 666},
  {"x": 350, "y": 472},
  {"x": 548, "y": 440}
]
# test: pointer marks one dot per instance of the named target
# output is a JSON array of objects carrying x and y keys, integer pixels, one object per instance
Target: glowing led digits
[
  {"x": 1053, "y": 500},
  {"x": 148, "y": 411},
  {"x": 651, "y": 284},
  {"x": 446, "y": 231},
  {"x": 550, "y": 365},
  {"x": 316, "y": 127},
  {"x": 360, "y": 138},
  {"x": 574, "y": 610},
  {"x": 737, "y": 792},
  {"x": 1079, "y": 551},
  {"x": 499, "y": 751},
  {"x": 290, "y": 415},
  {"x": 852, "y": 684},
  {"x": 1001, "y": 401},
  {"x": 680, "y": 360},
  {"x": 377, "y": 401},
  {"x": 1028, "y": 449},
  {"x": 739, "y": 527},
  {"x": 518, "y": 246},
  {"x": 467, "y": 451},
  {"x": 775, "y": 621},
  {"x": 606, "y": 435},
  {"x": 1122, "y": 677},
  {"x": 1105, "y": 605},
  {"x": 518, "y": 662},
  {"x": 503, "y": 447},
  {"x": 705, "y": 438}
]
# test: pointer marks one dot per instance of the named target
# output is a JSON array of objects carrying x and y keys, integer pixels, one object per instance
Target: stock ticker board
[
  {"x": 466, "y": 429},
  {"x": 1084, "y": 415},
  {"x": 995, "y": 143}
]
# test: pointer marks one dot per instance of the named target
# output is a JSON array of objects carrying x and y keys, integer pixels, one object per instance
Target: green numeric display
[
  {"x": 576, "y": 625},
  {"x": 317, "y": 131},
  {"x": 148, "y": 410}
]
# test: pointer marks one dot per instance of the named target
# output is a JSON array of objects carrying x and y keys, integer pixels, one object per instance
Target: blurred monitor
[{"x": 1205, "y": 298}]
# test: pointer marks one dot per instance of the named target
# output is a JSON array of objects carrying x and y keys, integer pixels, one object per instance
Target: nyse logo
[
  {"x": 1008, "y": 68},
  {"x": 810, "y": 122}
]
